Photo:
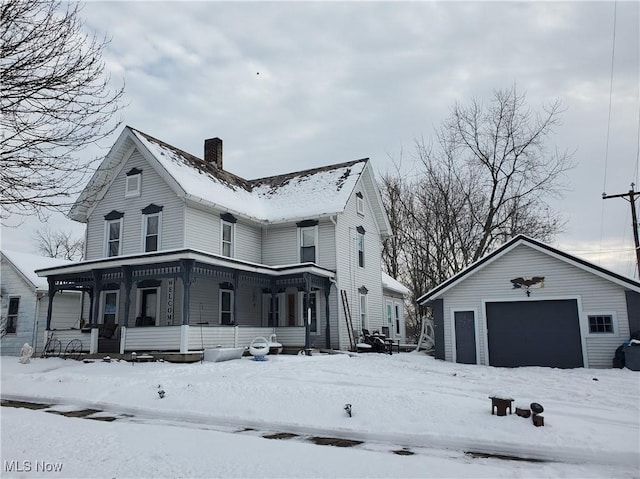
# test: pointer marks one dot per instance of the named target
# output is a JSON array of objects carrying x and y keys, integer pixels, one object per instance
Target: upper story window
[
  {"x": 151, "y": 227},
  {"x": 307, "y": 241},
  {"x": 12, "y": 315},
  {"x": 113, "y": 233},
  {"x": 359, "y": 203},
  {"x": 227, "y": 234},
  {"x": 360, "y": 245},
  {"x": 600, "y": 323},
  {"x": 133, "y": 183}
]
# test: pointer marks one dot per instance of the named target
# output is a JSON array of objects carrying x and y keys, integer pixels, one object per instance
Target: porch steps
[{"x": 347, "y": 315}]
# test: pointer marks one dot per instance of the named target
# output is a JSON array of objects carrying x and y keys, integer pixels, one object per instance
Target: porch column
[
  {"x": 274, "y": 291},
  {"x": 187, "y": 267},
  {"x": 97, "y": 286},
  {"x": 327, "y": 329},
  {"x": 235, "y": 298},
  {"x": 126, "y": 273},
  {"x": 51, "y": 280},
  {"x": 307, "y": 312},
  {"x": 92, "y": 320}
]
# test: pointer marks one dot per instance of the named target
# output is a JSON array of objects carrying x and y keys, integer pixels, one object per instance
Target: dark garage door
[{"x": 534, "y": 333}]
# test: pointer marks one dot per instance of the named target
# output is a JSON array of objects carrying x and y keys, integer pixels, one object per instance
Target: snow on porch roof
[
  {"x": 393, "y": 285},
  {"x": 26, "y": 264},
  {"x": 309, "y": 193}
]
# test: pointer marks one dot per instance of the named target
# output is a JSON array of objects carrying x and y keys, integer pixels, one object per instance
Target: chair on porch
[
  {"x": 376, "y": 341},
  {"x": 145, "y": 321},
  {"x": 107, "y": 331}
]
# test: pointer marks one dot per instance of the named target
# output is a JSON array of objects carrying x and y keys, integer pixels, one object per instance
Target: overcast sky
[{"x": 289, "y": 86}]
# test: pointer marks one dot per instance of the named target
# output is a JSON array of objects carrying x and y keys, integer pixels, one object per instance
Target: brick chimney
[{"x": 213, "y": 152}]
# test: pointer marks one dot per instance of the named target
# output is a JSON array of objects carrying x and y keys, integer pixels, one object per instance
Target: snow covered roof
[
  {"x": 308, "y": 193},
  {"x": 26, "y": 264},
  {"x": 394, "y": 285},
  {"x": 539, "y": 246}
]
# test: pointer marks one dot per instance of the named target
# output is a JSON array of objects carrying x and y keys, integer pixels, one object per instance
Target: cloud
[{"x": 299, "y": 84}]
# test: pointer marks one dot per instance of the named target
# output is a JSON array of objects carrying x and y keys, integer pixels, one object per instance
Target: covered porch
[{"x": 186, "y": 300}]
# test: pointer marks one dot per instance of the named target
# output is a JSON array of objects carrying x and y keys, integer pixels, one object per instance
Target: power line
[{"x": 606, "y": 149}]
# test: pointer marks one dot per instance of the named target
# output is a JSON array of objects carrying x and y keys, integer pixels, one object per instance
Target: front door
[
  {"x": 465, "y": 337},
  {"x": 149, "y": 306}
]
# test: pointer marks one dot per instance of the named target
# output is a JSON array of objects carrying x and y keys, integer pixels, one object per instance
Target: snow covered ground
[{"x": 213, "y": 417}]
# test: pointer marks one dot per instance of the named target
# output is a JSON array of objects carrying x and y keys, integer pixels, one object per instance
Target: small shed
[
  {"x": 529, "y": 304},
  {"x": 24, "y": 298}
]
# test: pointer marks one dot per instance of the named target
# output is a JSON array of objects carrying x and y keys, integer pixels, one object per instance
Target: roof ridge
[
  {"x": 200, "y": 163},
  {"x": 314, "y": 170}
]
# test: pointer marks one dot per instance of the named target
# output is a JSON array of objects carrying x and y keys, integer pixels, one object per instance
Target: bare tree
[
  {"x": 55, "y": 100},
  {"x": 486, "y": 179},
  {"x": 59, "y": 244}
]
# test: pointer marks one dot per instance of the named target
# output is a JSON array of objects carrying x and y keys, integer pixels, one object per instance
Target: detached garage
[{"x": 528, "y": 304}]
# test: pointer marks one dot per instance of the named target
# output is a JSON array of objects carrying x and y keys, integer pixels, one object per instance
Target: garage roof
[{"x": 537, "y": 245}]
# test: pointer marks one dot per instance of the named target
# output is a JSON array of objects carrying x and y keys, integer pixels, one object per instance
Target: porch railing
[
  {"x": 166, "y": 338},
  {"x": 65, "y": 336}
]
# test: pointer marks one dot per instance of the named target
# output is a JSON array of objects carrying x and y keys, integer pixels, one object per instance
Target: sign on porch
[{"x": 170, "y": 290}]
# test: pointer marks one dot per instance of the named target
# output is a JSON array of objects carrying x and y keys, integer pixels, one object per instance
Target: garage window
[{"x": 600, "y": 323}]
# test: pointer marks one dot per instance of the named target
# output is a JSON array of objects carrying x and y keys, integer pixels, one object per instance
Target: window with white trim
[
  {"x": 600, "y": 323},
  {"x": 308, "y": 244},
  {"x": 113, "y": 237},
  {"x": 389, "y": 312},
  {"x": 397, "y": 317},
  {"x": 359, "y": 203},
  {"x": 364, "y": 320},
  {"x": 272, "y": 309},
  {"x": 133, "y": 183},
  {"x": 151, "y": 232},
  {"x": 360, "y": 245},
  {"x": 226, "y": 306},
  {"x": 227, "y": 236},
  {"x": 12, "y": 315}
]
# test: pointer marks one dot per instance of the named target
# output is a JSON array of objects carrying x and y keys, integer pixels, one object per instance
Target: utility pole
[{"x": 634, "y": 217}]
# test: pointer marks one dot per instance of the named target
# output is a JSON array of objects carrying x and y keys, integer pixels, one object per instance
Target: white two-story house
[{"x": 183, "y": 255}]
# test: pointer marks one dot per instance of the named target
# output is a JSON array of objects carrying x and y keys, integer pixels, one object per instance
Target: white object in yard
[
  {"x": 25, "y": 354},
  {"x": 274, "y": 346},
  {"x": 217, "y": 355},
  {"x": 259, "y": 347}
]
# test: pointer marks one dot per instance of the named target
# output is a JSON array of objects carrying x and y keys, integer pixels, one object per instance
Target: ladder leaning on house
[{"x": 347, "y": 315}]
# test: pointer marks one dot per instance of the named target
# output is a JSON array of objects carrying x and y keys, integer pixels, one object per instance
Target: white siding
[
  {"x": 65, "y": 312},
  {"x": 562, "y": 280},
  {"x": 154, "y": 190},
  {"x": 203, "y": 233},
  {"x": 280, "y": 244},
  {"x": 248, "y": 242},
  {"x": 350, "y": 276},
  {"x": 202, "y": 230}
]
